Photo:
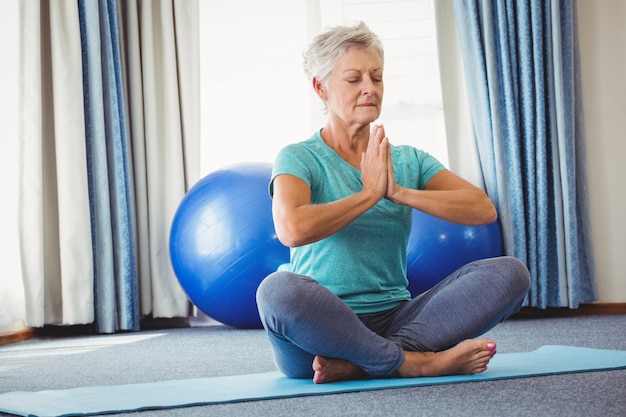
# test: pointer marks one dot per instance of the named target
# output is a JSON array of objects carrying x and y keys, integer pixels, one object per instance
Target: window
[{"x": 256, "y": 98}]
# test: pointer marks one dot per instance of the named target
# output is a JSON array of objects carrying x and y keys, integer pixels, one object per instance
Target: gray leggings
[{"x": 304, "y": 319}]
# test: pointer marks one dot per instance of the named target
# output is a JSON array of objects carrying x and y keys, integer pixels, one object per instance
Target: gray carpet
[{"x": 58, "y": 363}]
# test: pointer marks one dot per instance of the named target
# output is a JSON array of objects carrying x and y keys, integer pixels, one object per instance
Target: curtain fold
[
  {"x": 55, "y": 240},
  {"x": 112, "y": 211},
  {"x": 163, "y": 81},
  {"x": 109, "y": 146},
  {"x": 521, "y": 66}
]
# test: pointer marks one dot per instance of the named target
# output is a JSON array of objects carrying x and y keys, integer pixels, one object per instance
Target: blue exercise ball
[
  {"x": 437, "y": 248},
  {"x": 223, "y": 243}
]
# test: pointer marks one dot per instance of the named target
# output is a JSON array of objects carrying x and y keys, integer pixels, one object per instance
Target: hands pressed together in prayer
[{"x": 377, "y": 166}]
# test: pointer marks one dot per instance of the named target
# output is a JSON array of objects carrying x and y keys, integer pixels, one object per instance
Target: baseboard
[
  {"x": 15, "y": 336},
  {"x": 21, "y": 334},
  {"x": 583, "y": 309}
]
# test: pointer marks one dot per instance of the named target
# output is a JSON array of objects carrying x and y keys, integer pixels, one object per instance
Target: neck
[
  {"x": 348, "y": 143},
  {"x": 347, "y": 138}
]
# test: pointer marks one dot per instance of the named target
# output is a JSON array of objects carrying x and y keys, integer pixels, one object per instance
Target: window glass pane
[
  {"x": 254, "y": 94},
  {"x": 255, "y": 97},
  {"x": 412, "y": 110}
]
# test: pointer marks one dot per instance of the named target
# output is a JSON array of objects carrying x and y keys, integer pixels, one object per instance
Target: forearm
[
  {"x": 309, "y": 223},
  {"x": 466, "y": 206}
]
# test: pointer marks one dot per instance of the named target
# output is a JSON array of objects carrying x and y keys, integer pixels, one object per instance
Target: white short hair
[{"x": 319, "y": 58}]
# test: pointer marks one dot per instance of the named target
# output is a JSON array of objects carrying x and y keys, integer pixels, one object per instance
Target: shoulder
[
  {"x": 411, "y": 154},
  {"x": 419, "y": 166},
  {"x": 302, "y": 159},
  {"x": 302, "y": 149}
]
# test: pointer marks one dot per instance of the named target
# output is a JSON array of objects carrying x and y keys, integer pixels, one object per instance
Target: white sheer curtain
[
  {"x": 161, "y": 79},
  {"x": 54, "y": 206},
  {"x": 462, "y": 153},
  {"x": 11, "y": 287},
  {"x": 162, "y": 62}
]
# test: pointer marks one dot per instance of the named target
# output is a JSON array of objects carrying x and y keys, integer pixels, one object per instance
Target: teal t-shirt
[{"x": 365, "y": 262}]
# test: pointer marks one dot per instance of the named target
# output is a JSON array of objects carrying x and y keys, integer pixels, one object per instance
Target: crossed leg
[{"x": 314, "y": 334}]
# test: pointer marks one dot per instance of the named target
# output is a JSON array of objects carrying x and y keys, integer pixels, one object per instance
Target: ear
[{"x": 319, "y": 88}]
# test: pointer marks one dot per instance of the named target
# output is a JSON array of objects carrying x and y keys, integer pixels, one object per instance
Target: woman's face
[{"x": 354, "y": 92}]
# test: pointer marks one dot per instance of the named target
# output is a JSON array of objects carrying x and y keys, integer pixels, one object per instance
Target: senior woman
[{"x": 342, "y": 202}]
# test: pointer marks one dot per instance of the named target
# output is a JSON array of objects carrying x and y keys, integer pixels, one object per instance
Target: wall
[{"x": 603, "y": 60}]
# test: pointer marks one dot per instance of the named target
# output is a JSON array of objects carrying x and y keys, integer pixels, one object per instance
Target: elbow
[
  {"x": 485, "y": 213},
  {"x": 489, "y": 214},
  {"x": 288, "y": 230},
  {"x": 492, "y": 215},
  {"x": 287, "y": 241},
  {"x": 289, "y": 236}
]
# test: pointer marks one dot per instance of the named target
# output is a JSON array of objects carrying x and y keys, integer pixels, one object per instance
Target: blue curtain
[
  {"x": 109, "y": 170},
  {"x": 522, "y": 70}
]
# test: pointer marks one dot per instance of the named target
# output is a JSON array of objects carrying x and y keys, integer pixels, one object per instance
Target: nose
[{"x": 368, "y": 85}]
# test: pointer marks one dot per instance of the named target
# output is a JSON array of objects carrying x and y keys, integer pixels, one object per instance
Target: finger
[
  {"x": 389, "y": 163},
  {"x": 381, "y": 131},
  {"x": 374, "y": 139}
]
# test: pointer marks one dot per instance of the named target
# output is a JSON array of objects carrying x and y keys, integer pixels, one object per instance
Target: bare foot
[
  {"x": 331, "y": 370},
  {"x": 468, "y": 357}
]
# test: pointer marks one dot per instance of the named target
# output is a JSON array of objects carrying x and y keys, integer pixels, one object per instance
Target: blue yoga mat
[{"x": 547, "y": 360}]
